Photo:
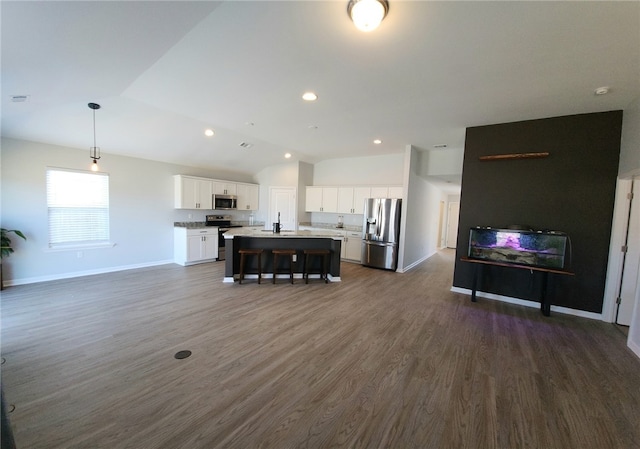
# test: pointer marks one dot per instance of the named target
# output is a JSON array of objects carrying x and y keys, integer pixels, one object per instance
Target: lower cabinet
[
  {"x": 352, "y": 246},
  {"x": 191, "y": 246}
]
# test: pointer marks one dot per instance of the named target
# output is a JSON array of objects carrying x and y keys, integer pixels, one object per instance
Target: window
[{"x": 78, "y": 206}]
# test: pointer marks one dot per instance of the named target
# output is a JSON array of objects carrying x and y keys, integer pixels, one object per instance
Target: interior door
[
  {"x": 452, "y": 224},
  {"x": 282, "y": 200},
  {"x": 629, "y": 282}
]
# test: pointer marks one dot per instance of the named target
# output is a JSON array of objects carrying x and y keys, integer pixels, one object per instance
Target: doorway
[
  {"x": 452, "y": 224},
  {"x": 282, "y": 203},
  {"x": 628, "y": 283},
  {"x": 441, "y": 240}
]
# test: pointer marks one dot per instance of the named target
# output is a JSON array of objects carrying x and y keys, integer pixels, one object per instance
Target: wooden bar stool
[
  {"x": 281, "y": 253},
  {"x": 324, "y": 253},
  {"x": 250, "y": 252}
]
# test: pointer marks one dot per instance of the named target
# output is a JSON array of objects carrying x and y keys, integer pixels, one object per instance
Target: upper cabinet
[
  {"x": 346, "y": 199},
  {"x": 192, "y": 192},
  {"x": 386, "y": 192},
  {"x": 351, "y": 199},
  {"x": 321, "y": 199},
  {"x": 248, "y": 196},
  {"x": 225, "y": 188}
]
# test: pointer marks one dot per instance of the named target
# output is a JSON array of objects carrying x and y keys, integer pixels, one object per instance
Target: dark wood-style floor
[{"x": 381, "y": 360}]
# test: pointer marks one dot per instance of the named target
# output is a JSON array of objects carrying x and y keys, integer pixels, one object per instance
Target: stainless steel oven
[{"x": 223, "y": 222}]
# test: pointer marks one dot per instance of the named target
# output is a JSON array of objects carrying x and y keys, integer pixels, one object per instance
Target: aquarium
[{"x": 545, "y": 249}]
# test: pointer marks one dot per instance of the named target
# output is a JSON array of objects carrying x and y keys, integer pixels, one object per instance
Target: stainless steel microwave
[{"x": 225, "y": 202}]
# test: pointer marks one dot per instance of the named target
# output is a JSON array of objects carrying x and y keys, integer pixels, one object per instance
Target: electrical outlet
[
  {"x": 295, "y": 258},
  {"x": 190, "y": 216}
]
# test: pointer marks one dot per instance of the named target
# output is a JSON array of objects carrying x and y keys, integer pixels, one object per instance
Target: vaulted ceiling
[{"x": 164, "y": 72}]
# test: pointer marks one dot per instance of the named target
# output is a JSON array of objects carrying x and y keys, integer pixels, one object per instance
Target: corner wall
[{"x": 421, "y": 212}]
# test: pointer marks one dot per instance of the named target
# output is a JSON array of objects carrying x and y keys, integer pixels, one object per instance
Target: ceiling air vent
[
  {"x": 246, "y": 145},
  {"x": 19, "y": 98}
]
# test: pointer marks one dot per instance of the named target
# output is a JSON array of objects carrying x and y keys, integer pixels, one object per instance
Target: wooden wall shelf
[{"x": 499, "y": 157}]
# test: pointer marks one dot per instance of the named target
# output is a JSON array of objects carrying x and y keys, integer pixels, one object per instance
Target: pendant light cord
[{"x": 94, "y": 129}]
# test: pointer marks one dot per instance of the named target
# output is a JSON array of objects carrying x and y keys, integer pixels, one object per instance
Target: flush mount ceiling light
[
  {"x": 287, "y": 155},
  {"x": 94, "y": 151},
  {"x": 377, "y": 141},
  {"x": 208, "y": 132},
  {"x": 601, "y": 90},
  {"x": 367, "y": 14},
  {"x": 309, "y": 96}
]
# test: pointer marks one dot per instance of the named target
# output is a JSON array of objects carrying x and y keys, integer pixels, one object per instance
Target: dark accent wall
[{"x": 571, "y": 190}]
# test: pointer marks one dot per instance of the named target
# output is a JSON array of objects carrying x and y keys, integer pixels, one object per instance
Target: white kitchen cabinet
[
  {"x": 192, "y": 193},
  {"x": 191, "y": 246},
  {"x": 345, "y": 200},
  {"x": 248, "y": 196},
  {"x": 386, "y": 192},
  {"x": 313, "y": 199},
  {"x": 351, "y": 199},
  {"x": 352, "y": 246},
  {"x": 225, "y": 188},
  {"x": 321, "y": 199}
]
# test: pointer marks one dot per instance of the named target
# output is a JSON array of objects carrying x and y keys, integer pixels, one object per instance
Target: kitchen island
[{"x": 252, "y": 238}]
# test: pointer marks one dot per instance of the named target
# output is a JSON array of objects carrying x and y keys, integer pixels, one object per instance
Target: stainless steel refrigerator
[{"x": 381, "y": 232}]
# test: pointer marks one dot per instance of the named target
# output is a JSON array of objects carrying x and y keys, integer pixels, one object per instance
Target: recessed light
[
  {"x": 601, "y": 90},
  {"x": 377, "y": 141},
  {"x": 309, "y": 96},
  {"x": 208, "y": 132},
  {"x": 287, "y": 155}
]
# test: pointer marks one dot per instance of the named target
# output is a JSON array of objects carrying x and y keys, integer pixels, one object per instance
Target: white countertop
[{"x": 268, "y": 233}]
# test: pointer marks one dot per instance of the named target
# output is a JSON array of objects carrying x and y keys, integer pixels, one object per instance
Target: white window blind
[{"x": 78, "y": 204}]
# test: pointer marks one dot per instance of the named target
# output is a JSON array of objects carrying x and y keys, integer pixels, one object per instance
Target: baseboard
[
  {"x": 532, "y": 304},
  {"x": 415, "y": 264},
  {"x": 634, "y": 347},
  {"x": 76, "y": 274}
]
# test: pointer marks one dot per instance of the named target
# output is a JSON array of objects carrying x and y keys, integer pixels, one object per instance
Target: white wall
[
  {"x": 141, "y": 211},
  {"x": 421, "y": 209},
  {"x": 305, "y": 178},
  {"x": 372, "y": 170},
  {"x": 630, "y": 145},
  {"x": 443, "y": 162},
  {"x": 283, "y": 175}
]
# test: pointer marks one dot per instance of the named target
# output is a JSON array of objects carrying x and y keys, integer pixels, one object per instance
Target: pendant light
[
  {"x": 367, "y": 14},
  {"x": 94, "y": 151}
]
